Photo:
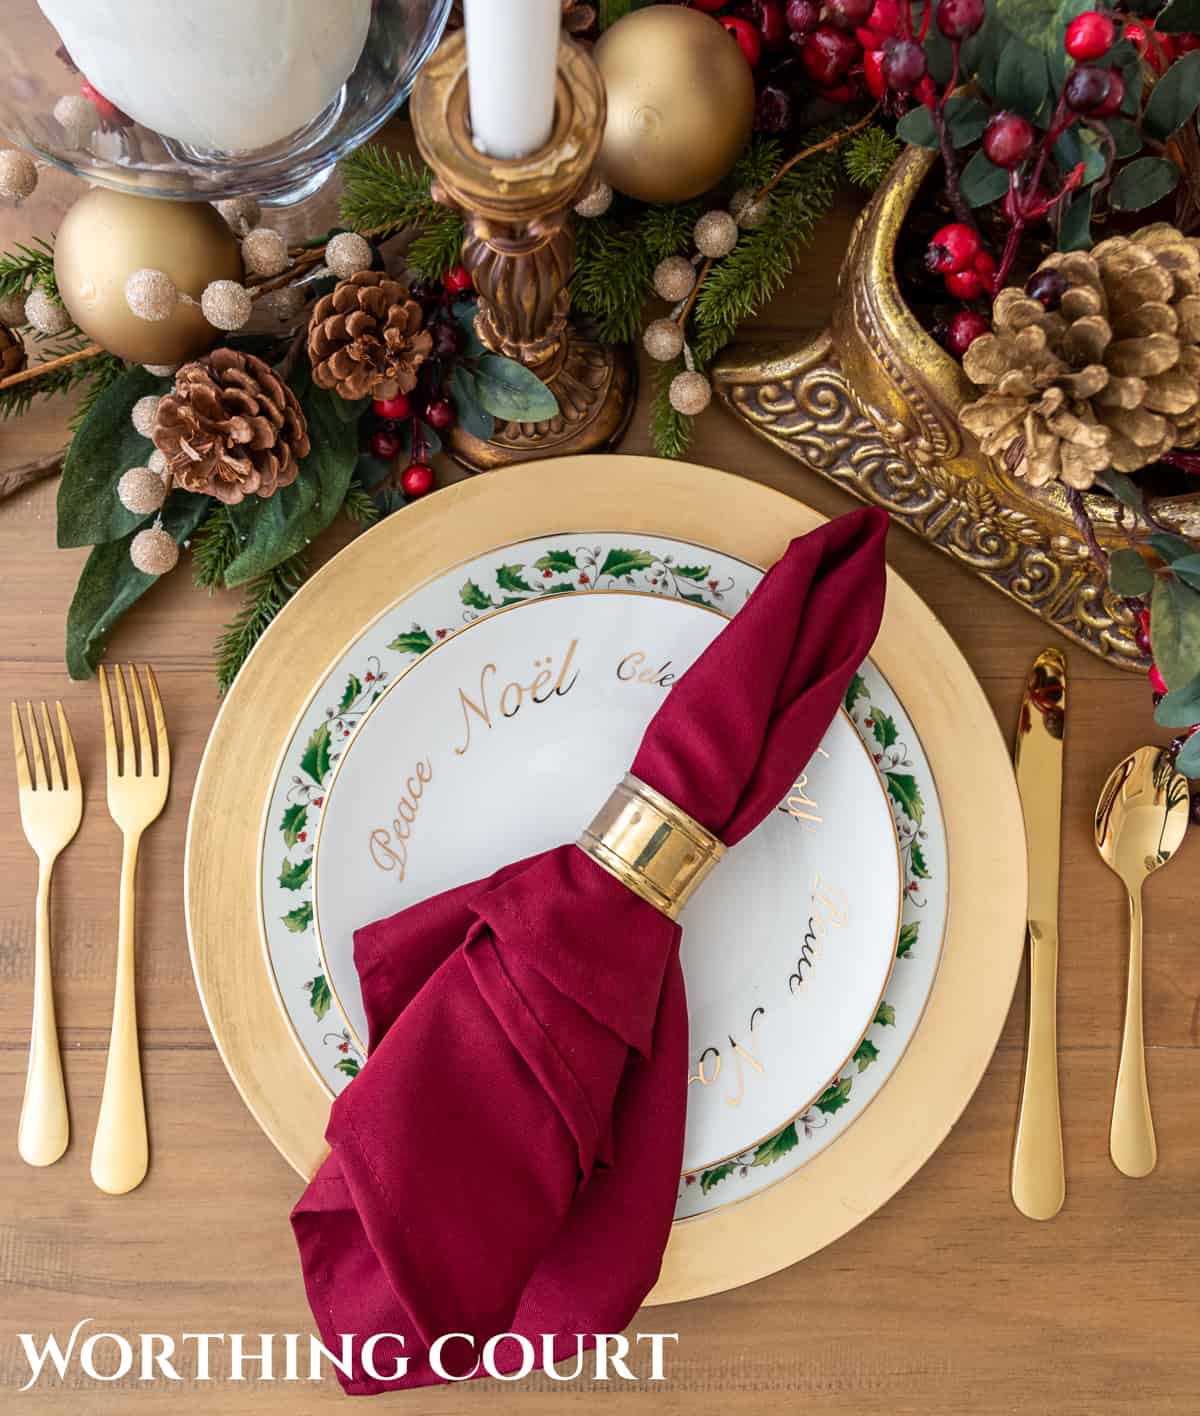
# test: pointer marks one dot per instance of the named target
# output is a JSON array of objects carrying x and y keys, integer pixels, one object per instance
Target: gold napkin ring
[{"x": 650, "y": 845}]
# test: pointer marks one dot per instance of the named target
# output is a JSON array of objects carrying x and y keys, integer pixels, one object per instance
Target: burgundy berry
[
  {"x": 747, "y": 37},
  {"x": 1047, "y": 286},
  {"x": 953, "y": 248},
  {"x": 440, "y": 414},
  {"x": 959, "y": 19},
  {"x": 827, "y": 54},
  {"x": 848, "y": 14},
  {"x": 965, "y": 284},
  {"x": 773, "y": 109},
  {"x": 803, "y": 16},
  {"x": 398, "y": 407},
  {"x": 416, "y": 480},
  {"x": 1141, "y": 638},
  {"x": 385, "y": 444},
  {"x": 1086, "y": 88},
  {"x": 447, "y": 340},
  {"x": 1008, "y": 139},
  {"x": 457, "y": 280},
  {"x": 964, "y": 329},
  {"x": 772, "y": 27},
  {"x": 1184, "y": 43},
  {"x": 1116, "y": 96},
  {"x": 873, "y": 72},
  {"x": 903, "y": 65},
  {"x": 1089, "y": 35}
]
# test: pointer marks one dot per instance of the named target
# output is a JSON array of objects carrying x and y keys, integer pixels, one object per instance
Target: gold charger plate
[{"x": 987, "y": 887}]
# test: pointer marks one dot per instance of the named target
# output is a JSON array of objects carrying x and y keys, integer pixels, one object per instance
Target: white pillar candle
[
  {"x": 512, "y": 61},
  {"x": 226, "y": 74}
]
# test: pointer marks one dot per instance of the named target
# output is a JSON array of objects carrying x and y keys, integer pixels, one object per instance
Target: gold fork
[
  {"x": 51, "y": 802},
  {"x": 137, "y": 791}
]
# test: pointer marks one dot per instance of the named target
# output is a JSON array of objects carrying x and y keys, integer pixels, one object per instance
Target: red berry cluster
[{"x": 428, "y": 406}]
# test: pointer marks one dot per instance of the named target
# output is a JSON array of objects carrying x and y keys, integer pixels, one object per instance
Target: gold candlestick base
[{"x": 520, "y": 250}]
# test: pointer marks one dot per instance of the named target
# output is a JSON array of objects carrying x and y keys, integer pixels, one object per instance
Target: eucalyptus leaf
[
  {"x": 1188, "y": 761},
  {"x": 510, "y": 391},
  {"x": 464, "y": 312},
  {"x": 1022, "y": 77},
  {"x": 472, "y": 416},
  {"x": 1180, "y": 708},
  {"x": 1124, "y": 488},
  {"x": 1128, "y": 573},
  {"x": 110, "y": 583},
  {"x": 273, "y": 528},
  {"x": 1171, "y": 547},
  {"x": 916, "y": 128},
  {"x": 1174, "y": 98},
  {"x": 106, "y": 446},
  {"x": 966, "y": 119},
  {"x": 1175, "y": 630},
  {"x": 1179, "y": 17},
  {"x": 1072, "y": 148},
  {"x": 1143, "y": 182},
  {"x": 981, "y": 181},
  {"x": 1188, "y": 570},
  {"x": 1125, "y": 135}
]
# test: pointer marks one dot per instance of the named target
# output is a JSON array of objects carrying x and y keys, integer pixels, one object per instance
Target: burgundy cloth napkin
[{"x": 508, "y": 1158}]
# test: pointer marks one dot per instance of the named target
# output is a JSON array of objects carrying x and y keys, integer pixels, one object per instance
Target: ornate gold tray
[{"x": 872, "y": 404}]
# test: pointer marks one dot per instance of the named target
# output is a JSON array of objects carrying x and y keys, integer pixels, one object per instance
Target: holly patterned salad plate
[
  {"x": 503, "y": 739},
  {"x": 675, "y": 539}
]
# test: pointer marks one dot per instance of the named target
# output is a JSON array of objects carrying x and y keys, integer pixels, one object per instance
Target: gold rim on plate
[
  {"x": 877, "y": 776},
  {"x": 984, "y": 942}
]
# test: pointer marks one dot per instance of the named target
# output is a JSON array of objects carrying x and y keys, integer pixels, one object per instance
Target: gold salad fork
[
  {"x": 137, "y": 791},
  {"x": 51, "y": 802}
]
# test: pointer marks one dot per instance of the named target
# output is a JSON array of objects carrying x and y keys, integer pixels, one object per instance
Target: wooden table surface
[{"x": 945, "y": 1301}]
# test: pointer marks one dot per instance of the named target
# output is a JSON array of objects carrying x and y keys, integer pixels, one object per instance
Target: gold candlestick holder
[{"x": 520, "y": 250}]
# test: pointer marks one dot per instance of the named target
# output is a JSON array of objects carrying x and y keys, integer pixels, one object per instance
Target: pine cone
[
  {"x": 231, "y": 428},
  {"x": 1109, "y": 379},
  {"x": 365, "y": 338},
  {"x": 12, "y": 353}
]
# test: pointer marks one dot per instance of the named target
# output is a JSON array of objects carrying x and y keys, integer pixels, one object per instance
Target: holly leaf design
[
  {"x": 620, "y": 562},
  {"x": 856, "y": 690},
  {"x": 299, "y": 919},
  {"x": 710, "y": 1178},
  {"x": 347, "y": 1066},
  {"x": 473, "y": 597},
  {"x": 903, "y": 790},
  {"x": 884, "y": 728},
  {"x": 886, "y": 1017},
  {"x": 692, "y": 572},
  {"x": 509, "y": 577},
  {"x": 412, "y": 641},
  {"x": 295, "y": 818},
  {"x": 865, "y": 1054},
  {"x": 907, "y": 940},
  {"x": 777, "y": 1146},
  {"x": 319, "y": 996},
  {"x": 293, "y": 876},
  {"x": 917, "y": 864},
  {"x": 834, "y": 1097},
  {"x": 350, "y": 692},
  {"x": 316, "y": 755},
  {"x": 560, "y": 562}
]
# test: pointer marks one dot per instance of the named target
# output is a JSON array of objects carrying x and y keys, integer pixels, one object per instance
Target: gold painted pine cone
[
  {"x": 12, "y": 352},
  {"x": 365, "y": 338},
  {"x": 1109, "y": 379},
  {"x": 231, "y": 429}
]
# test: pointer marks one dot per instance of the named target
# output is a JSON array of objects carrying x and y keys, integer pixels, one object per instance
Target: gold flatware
[
  {"x": 51, "y": 802},
  {"x": 137, "y": 791},
  {"x": 1038, "y": 1177},
  {"x": 1141, "y": 819}
]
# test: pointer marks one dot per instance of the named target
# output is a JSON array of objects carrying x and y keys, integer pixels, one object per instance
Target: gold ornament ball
[
  {"x": 153, "y": 551},
  {"x": 680, "y": 103},
  {"x": 108, "y": 236},
  {"x": 663, "y": 340},
  {"x": 690, "y": 393},
  {"x": 141, "y": 491}
]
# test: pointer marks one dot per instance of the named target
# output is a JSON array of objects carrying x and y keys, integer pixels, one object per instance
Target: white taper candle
[{"x": 512, "y": 60}]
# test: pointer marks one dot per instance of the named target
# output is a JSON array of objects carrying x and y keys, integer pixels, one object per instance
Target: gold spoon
[{"x": 1141, "y": 818}]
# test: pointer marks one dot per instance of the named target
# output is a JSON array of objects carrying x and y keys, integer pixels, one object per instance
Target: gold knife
[{"x": 1038, "y": 1181}]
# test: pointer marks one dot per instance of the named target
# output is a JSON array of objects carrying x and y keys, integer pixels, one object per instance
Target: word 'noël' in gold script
[
  {"x": 389, "y": 847},
  {"x": 711, "y": 1062},
  {"x": 541, "y": 688},
  {"x": 633, "y": 669}
]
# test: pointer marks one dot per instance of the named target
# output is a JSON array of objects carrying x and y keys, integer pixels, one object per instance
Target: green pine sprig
[
  {"x": 869, "y": 155},
  {"x": 96, "y": 373},
  {"x": 670, "y": 430},
  {"x": 262, "y": 600},
  {"x": 214, "y": 549},
  {"x": 28, "y": 268},
  {"x": 360, "y": 506},
  {"x": 383, "y": 191}
]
